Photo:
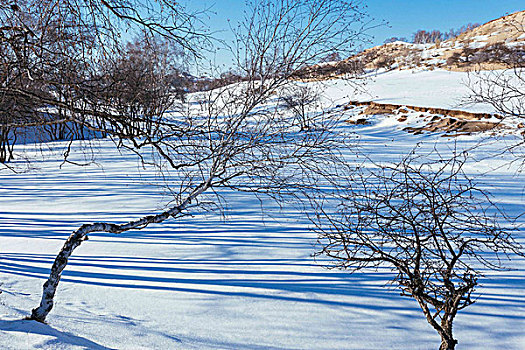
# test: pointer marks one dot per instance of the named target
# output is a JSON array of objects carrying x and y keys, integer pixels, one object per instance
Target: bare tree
[
  {"x": 137, "y": 86},
  {"x": 302, "y": 100},
  {"x": 430, "y": 224},
  {"x": 424, "y": 37},
  {"x": 503, "y": 89},
  {"x": 436, "y": 36},
  {"x": 230, "y": 137}
]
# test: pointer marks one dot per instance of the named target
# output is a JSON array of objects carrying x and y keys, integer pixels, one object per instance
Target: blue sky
[{"x": 404, "y": 16}]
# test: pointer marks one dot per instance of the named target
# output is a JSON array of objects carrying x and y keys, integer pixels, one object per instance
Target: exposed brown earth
[
  {"x": 450, "y": 121},
  {"x": 486, "y": 47},
  {"x": 453, "y": 127},
  {"x": 509, "y": 28},
  {"x": 387, "y": 108}
]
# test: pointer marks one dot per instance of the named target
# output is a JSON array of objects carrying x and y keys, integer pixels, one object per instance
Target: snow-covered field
[
  {"x": 436, "y": 88},
  {"x": 243, "y": 281}
]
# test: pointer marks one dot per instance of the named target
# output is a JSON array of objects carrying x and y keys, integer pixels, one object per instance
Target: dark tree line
[
  {"x": 434, "y": 36},
  {"x": 64, "y": 68}
]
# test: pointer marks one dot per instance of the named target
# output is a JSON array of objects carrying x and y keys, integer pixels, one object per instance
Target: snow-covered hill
[{"x": 246, "y": 281}]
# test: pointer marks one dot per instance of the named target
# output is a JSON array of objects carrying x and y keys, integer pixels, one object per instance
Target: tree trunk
[
  {"x": 75, "y": 239},
  {"x": 50, "y": 286},
  {"x": 448, "y": 343}
]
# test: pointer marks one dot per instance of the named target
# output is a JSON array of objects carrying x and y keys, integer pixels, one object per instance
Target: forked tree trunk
[
  {"x": 447, "y": 339},
  {"x": 444, "y": 329}
]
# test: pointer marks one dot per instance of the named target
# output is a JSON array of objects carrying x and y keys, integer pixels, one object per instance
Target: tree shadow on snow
[{"x": 59, "y": 337}]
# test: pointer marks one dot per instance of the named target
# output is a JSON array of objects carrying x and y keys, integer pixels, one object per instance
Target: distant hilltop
[{"x": 497, "y": 44}]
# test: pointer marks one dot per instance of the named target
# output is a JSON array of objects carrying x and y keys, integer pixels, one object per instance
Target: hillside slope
[{"x": 498, "y": 44}]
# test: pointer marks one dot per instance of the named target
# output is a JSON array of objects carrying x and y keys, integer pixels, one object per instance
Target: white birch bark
[{"x": 77, "y": 237}]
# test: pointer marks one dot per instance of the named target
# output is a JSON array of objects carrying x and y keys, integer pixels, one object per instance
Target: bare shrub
[
  {"x": 385, "y": 62},
  {"x": 351, "y": 68},
  {"x": 413, "y": 59},
  {"x": 430, "y": 224}
]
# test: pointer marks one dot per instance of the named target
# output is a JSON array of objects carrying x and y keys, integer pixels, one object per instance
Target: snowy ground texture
[{"x": 246, "y": 281}]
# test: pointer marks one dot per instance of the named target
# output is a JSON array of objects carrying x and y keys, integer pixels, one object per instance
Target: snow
[
  {"x": 480, "y": 38},
  {"x": 243, "y": 281},
  {"x": 423, "y": 46},
  {"x": 399, "y": 42},
  {"x": 432, "y": 53},
  {"x": 436, "y": 88},
  {"x": 478, "y": 44},
  {"x": 515, "y": 44}
]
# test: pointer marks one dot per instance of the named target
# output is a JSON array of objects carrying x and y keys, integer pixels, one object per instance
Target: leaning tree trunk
[{"x": 77, "y": 237}]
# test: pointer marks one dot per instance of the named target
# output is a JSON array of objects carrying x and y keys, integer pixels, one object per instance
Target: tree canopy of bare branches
[
  {"x": 435, "y": 36},
  {"x": 281, "y": 37},
  {"x": 54, "y": 56},
  {"x": 228, "y": 137}
]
